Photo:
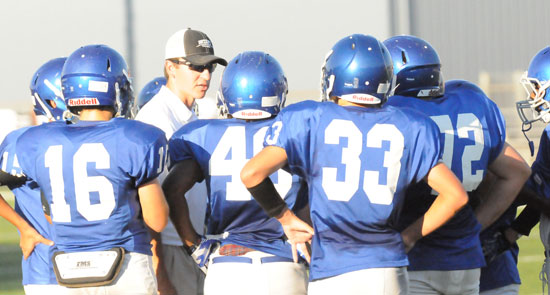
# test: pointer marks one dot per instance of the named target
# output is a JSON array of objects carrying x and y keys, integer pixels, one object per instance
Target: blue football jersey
[
  {"x": 357, "y": 163},
  {"x": 472, "y": 132},
  {"x": 540, "y": 177},
  {"x": 89, "y": 173},
  {"x": 37, "y": 268},
  {"x": 503, "y": 270},
  {"x": 222, "y": 148}
]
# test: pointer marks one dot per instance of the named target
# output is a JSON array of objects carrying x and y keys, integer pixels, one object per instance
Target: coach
[{"x": 188, "y": 66}]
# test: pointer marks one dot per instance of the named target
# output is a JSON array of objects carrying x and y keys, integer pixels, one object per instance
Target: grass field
[{"x": 530, "y": 260}]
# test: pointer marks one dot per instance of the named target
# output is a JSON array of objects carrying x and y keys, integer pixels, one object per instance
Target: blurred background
[{"x": 486, "y": 42}]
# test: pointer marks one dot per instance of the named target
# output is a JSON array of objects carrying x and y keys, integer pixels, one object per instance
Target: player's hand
[
  {"x": 298, "y": 233},
  {"x": 29, "y": 239},
  {"x": 494, "y": 245},
  {"x": 202, "y": 251}
]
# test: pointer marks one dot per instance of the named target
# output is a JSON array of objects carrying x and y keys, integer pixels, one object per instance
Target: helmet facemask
[{"x": 535, "y": 102}]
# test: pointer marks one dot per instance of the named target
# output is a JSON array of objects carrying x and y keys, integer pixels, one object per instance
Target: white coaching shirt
[{"x": 167, "y": 112}]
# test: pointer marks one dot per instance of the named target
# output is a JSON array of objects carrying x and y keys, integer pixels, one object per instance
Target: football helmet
[
  {"x": 536, "y": 82},
  {"x": 358, "y": 69},
  {"x": 97, "y": 75},
  {"x": 253, "y": 86},
  {"x": 149, "y": 90},
  {"x": 45, "y": 86},
  {"x": 416, "y": 67}
]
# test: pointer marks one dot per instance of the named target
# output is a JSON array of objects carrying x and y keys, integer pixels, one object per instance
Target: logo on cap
[{"x": 204, "y": 43}]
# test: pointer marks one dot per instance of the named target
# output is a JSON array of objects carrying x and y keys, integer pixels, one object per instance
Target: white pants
[
  {"x": 183, "y": 272},
  {"x": 249, "y": 274},
  {"x": 43, "y": 289},
  {"x": 450, "y": 282},
  {"x": 136, "y": 277},
  {"x": 375, "y": 281},
  {"x": 512, "y": 289}
]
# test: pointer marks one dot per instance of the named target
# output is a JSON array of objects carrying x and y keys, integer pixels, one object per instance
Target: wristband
[
  {"x": 12, "y": 180},
  {"x": 267, "y": 196}
]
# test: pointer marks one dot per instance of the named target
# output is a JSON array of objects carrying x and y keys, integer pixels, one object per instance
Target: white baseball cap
[{"x": 193, "y": 46}]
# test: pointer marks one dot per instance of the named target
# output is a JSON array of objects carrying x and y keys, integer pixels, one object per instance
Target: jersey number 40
[{"x": 229, "y": 157}]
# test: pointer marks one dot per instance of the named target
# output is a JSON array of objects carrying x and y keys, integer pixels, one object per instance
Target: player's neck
[{"x": 95, "y": 115}]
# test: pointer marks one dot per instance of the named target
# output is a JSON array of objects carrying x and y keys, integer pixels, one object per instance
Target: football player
[
  {"x": 472, "y": 132},
  {"x": 254, "y": 258},
  {"x": 358, "y": 156},
  {"x": 99, "y": 178},
  {"x": 49, "y": 105},
  {"x": 535, "y": 107}
]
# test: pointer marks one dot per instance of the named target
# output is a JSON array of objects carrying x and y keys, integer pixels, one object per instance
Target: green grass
[
  {"x": 530, "y": 262},
  {"x": 531, "y": 257},
  {"x": 10, "y": 255}
]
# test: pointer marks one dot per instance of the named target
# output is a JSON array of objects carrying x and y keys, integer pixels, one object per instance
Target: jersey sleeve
[
  {"x": 540, "y": 176},
  {"x": 185, "y": 143},
  {"x": 426, "y": 149},
  {"x": 148, "y": 157},
  {"x": 497, "y": 130},
  {"x": 11, "y": 174},
  {"x": 291, "y": 130},
  {"x": 25, "y": 145},
  {"x": 8, "y": 160}
]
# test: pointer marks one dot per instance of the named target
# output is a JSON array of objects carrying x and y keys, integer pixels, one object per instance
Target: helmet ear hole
[
  {"x": 109, "y": 64},
  {"x": 51, "y": 103},
  {"x": 403, "y": 57}
]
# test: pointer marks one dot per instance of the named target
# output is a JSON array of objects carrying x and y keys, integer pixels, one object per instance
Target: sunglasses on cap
[{"x": 197, "y": 68}]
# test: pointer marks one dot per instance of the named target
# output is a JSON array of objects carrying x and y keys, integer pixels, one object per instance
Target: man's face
[{"x": 191, "y": 81}]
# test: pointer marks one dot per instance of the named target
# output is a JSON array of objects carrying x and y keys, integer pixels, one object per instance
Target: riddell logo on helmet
[
  {"x": 83, "y": 102},
  {"x": 251, "y": 114},
  {"x": 364, "y": 98}
]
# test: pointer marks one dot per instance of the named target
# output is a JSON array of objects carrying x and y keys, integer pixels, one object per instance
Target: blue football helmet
[
  {"x": 357, "y": 69},
  {"x": 149, "y": 90},
  {"x": 416, "y": 66},
  {"x": 47, "y": 99},
  {"x": 97, "y": 75},
  {"x": 536, "y": 82},
  {"x": 253, "y": 86}
]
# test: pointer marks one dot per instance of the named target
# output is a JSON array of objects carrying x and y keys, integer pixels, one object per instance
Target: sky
[{"x": 297, "y": 33}]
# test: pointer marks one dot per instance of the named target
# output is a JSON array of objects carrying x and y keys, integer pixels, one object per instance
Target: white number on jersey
[
  {"x": 466, "y": 123},
  {"x": 84, "y": 184},
  {"x": 344, "y": 190},
  {"x": 15, "y": 169},
  {"x": 229, "y": 157}
]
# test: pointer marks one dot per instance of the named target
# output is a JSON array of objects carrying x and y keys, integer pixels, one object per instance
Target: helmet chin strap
[{"x": 524, "y": 128}]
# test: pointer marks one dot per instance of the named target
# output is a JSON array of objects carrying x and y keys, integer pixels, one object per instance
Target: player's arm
[
  {"x": 255, "y": 176},
  {"x": 29, "y": 236},
  {"x": 153, "y": 204},
  {"x": 511, "y": 173},
  {"x": 181, "y": 178},
  {"x": 451, "y": 198}
]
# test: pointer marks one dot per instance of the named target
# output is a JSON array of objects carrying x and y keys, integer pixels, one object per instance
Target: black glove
[{"x": 495, "y": 245}]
